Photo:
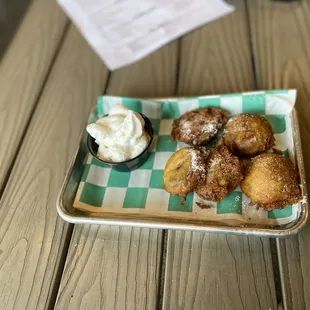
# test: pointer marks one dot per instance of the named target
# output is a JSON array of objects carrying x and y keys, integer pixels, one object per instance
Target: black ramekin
[{"x": 130, "y": 164}]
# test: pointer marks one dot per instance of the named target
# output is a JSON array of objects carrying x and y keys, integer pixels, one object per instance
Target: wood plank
[
  {"x": 33, "y": 239},
  {"x": 209, "y": 271},
  {"x": 22, "y": 73},
  {"x": 280, "y": 34},
  {"x": 216, "y": 58},
  {"x": 112, "y": 267},
  {"x": 153, "y": 76}
]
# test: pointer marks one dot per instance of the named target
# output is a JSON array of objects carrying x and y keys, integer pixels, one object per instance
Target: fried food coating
[
  {"x": 248, "y": 135},
  {"x": 199, "y": 126},
  {"x": 224, "y": 173},
  {"x": 271, "y": 181},
  {"x": 184, "y": 170}
]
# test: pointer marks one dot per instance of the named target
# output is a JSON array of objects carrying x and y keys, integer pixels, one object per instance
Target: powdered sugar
[
  {"x": 185, "y": 127},
  {"x": 210, "y": 127},
  {"x": 215, "y": 161},
  {"x": 197, "y": 163},
  {"x": 199, "y": 126},
  {"x": 304, "y": 200}
]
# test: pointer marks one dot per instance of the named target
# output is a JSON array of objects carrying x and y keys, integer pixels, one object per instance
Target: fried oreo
[
  {"x": 224, "y": 173},
  {"x": 248, "y": 135},
  {"x": 199, "y": 126},
  {"x": 271, "y": 181}
]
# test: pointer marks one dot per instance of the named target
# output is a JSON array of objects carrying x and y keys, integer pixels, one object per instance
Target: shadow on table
[{"x": 11, "y": 13}]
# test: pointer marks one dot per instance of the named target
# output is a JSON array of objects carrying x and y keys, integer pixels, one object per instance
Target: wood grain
[
  {"x": 206, "y": 271},
  {"x": 154, "y": 75},
  {"x": 280, "y": 34},
  {"x": 209, "y": 271},
  {"x": 216, "y": 58},
  {"x": 112, "y": 267},
  {"x": 32, "y": 236},
  {"x": 23, "y": 70}
]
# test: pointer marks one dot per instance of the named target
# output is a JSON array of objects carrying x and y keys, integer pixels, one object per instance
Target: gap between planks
[
  {"x": 210, "y": 270},
  {"x": 281, "y": 49},
  {"x": 273, "y": 245},
  {"x": 154, "y": 76},
  {"x": 66, "y": 246},
  {"x": 33, "y": 239},
  {"x": 32, "y": 111},
  {"x": 26, "y": 64}
]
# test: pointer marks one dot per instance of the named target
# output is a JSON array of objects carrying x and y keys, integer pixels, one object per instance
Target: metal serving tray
[{"x": 70, "y": 214}]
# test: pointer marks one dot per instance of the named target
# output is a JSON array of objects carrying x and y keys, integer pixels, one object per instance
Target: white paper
[{"x": 124, "y": 31}]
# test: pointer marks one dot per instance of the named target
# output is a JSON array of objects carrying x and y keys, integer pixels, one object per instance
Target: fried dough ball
[
  {"x": 199, "y": 126},
  {"x": 248, "y": 135},
  {"x": 271, "y": 181},
  {"x": 224, "y": 173},
  {"x": 184, "y": 170}
]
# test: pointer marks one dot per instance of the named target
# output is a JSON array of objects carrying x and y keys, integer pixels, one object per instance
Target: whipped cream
[{"x": 120, "y": 135}]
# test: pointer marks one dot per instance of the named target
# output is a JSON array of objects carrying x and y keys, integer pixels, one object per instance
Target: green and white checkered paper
[{"x": 141, "y": 192}]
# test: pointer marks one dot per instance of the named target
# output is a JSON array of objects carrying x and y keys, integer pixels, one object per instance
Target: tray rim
[{"x": 161, "y": 223}]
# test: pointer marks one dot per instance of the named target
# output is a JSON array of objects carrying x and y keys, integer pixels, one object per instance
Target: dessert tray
[{"x": 93, "y": 193}]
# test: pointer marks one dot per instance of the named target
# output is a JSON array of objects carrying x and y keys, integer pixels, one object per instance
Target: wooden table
[
  {"x": 49, "y": 79},
  {"x": 11, "y": 12}
]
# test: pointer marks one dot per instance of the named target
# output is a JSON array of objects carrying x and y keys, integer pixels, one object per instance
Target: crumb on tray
[{"x": 203, "y": 205}]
